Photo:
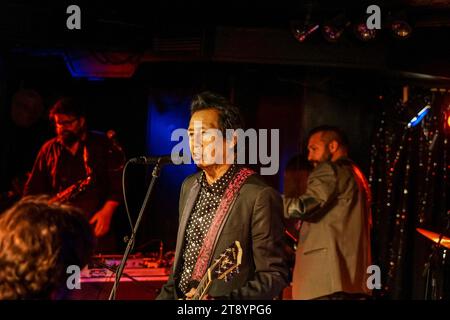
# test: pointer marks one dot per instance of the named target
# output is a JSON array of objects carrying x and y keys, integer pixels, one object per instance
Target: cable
[{"x": 125, "y": 196}]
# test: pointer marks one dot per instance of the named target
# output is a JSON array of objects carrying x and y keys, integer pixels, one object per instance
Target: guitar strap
[{"x": 222, "y": 212}]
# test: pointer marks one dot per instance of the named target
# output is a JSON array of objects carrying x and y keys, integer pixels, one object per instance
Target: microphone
[{"x": 154, "y": 159}]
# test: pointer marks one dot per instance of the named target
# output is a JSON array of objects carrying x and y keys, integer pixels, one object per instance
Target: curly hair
[{"x": 38, "y": 241}]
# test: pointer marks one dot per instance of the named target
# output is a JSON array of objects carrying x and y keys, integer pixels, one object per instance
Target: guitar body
[{"x": 223, "y": 268}]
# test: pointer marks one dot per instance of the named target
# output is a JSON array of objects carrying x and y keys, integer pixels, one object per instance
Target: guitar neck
[{"x": 203, "y": 286}]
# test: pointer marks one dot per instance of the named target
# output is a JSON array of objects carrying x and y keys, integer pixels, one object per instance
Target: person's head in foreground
[{"x": 38, "y": 241}]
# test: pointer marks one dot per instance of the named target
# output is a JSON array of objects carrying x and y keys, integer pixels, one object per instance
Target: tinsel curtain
[{"x": 409, "y": 181}]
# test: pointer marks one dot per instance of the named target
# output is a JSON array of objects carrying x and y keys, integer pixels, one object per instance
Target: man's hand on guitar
[
  {"x": 222, "y": 269},
  {"x": 191, "y": 294}
]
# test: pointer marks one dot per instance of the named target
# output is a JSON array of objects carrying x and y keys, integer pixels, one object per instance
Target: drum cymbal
[{"x": 433, "y": 236}]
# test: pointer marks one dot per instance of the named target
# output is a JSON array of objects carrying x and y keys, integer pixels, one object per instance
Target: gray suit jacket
[
  {"x": 334, "y": 242},
  {"x": 255, "y": 219}
]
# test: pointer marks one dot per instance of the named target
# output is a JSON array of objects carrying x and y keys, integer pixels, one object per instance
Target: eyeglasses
[{"x": 65, "y": 123}]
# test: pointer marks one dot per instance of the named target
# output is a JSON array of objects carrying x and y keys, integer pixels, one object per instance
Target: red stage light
[{"x": 447, "y": 121}]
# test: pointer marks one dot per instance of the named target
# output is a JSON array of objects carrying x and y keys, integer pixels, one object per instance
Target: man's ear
[{"x": 333, "y": 146}]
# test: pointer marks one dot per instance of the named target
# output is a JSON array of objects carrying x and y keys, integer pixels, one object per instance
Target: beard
[
  {"x": 69, "y": 138},
  {"x": 327, "y": 156}
]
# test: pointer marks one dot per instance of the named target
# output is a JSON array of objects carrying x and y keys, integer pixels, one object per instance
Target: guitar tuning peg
[
  {"x": 225, "y": 279},
  {"x": 236, "y": 270}
]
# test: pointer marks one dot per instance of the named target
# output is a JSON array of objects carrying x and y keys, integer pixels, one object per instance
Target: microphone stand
[
  {"x": 131, "y": 240},
  {"x": 427, "y": 270}
]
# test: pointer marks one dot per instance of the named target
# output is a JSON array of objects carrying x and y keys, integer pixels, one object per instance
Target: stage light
[
  {"x": 333, "y": 33},
  {"x": 96, "y": 66},
  {"x": 419, "y": 116},
  {"x": 363, "y": 33},
  {"x": 333, "y": 29},
  {"x": 302, "y": 31},
  {"x": 401, "y": 29},
  {"x": 447, "y": 120}
]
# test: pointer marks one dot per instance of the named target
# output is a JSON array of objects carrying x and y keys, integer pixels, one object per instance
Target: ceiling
[{"x": 232, "y": 31}]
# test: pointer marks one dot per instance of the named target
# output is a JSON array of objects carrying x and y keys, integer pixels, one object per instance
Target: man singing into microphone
[
  {"x": 221, "y": 204},
  {"x": 76, "y": 156}
]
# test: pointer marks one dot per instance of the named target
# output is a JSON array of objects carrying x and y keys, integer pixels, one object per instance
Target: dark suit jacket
[{"x": 255, "y": 219}]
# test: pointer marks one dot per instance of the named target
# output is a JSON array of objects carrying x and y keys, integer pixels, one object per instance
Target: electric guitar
[{"x": 223, "y": 268}]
